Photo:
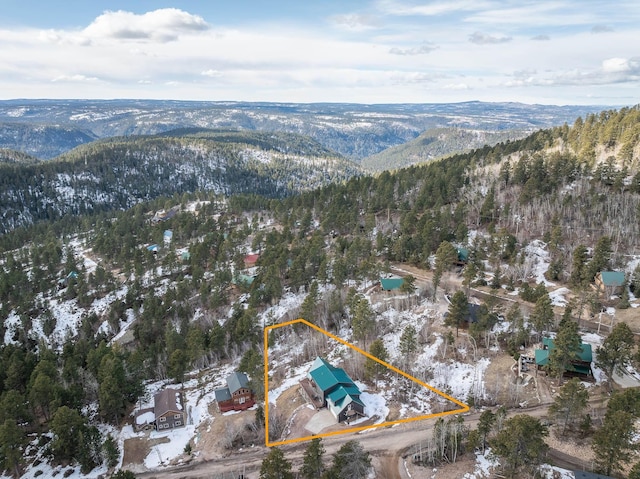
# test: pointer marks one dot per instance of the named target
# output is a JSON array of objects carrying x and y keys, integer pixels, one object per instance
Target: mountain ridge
[{"x": 353, "y": 130}]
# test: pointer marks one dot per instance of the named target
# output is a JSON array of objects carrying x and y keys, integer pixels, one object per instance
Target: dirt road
[{"x": 396, "y": 441}]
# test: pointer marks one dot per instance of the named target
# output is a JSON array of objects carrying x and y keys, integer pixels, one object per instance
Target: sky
[{"x": 580, "y": 52}]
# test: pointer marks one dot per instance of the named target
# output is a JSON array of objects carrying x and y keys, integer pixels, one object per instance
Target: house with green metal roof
[
  {"x": 463, "y": 255},
  {"x": 580, "y": 366},
  {"x": 391, "y": 284},
  {"x": 608, "y": 283},
  {"x": 336, "y": 390}
]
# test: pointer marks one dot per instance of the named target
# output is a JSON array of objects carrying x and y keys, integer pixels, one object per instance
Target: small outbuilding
[
  {"x": 391, "y": 284},
  {"x": 609, "y": 283}
]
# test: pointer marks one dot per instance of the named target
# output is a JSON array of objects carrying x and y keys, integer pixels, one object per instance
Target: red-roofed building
[{"x": 250, "y": 260}]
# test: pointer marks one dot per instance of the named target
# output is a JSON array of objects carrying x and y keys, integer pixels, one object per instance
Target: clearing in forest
[{"x": 334, "y": 403}]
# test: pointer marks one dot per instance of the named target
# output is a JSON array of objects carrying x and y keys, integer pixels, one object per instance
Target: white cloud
[
  {"x": 456, "y": 86},
  {"x": 616, "y": 65},
  {"x": 128, "y": 55},
  {"x": 426, "y": 47},
  {"x": 163, "y": 25},
  {"x": 74, "y": 78},
  {"x": 211, "y": 73},
  {"x": 355, "y": 22},
  {"x": 541, "y": 38},
  {"x": 393, "y": 7},
  {"x": 480, "y": 38}
]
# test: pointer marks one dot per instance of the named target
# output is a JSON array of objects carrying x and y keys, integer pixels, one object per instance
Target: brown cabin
[
  {"x": 237, "y": 396},
  {"x": 168, "y": 409}
]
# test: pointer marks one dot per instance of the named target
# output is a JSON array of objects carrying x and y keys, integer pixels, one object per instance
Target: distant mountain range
[{"x": 47, "y": 128}]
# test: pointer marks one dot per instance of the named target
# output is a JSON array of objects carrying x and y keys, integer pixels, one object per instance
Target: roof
[
  {"x": 612, "y": 278},
  {"x": 341, "y": 392},
  {"x": 585, "y": 355},
  {"x": 165, "y": 401},
  {"x": 327, "y": 376},
  {"x": 153, "y": 247},
  {"x": 237, "y": 381},
  {"x": 168, "y": 233},
  {"x": 463, "y": 254},
  {"x": 222, "y": 394},
  {"x": 251, "y": 258},
  {"x": 389, "y": 284},
  {"x": 244, "y": 278}
]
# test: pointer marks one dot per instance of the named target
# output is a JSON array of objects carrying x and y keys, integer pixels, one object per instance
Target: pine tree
[
  {"x": 616, "y": 351},
  {"x": 613, "y": 442},
  {"x": 445, "y": 256},
  {"x": 520, "y": 444},
  {"x": 308, "y": 307},
  {"x": 351, "y": 461},
  {"x": 578, "y": 275},
  {"x": 363, "y": 322},
  {"x": 374, "y": 368},
  {"x": 312, "y": 462},
  {"x": 275, "y": 466},
  {"x": 567, "y": 346},
  {"x": 542, "y": 315},
  {"x": 408, "y": 343},
  {"x": 458, "y": 310},
  {"x": 12, "y": 441},
  {"x": 485, "y": 424},
  {"x": 570, "y": 403}
]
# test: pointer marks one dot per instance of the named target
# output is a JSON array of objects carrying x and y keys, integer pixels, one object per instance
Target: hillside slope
[
  {"x": 120, "y": 172},
  {"x": 43, "y": 141},
  {"x": 436, "y": 143}
]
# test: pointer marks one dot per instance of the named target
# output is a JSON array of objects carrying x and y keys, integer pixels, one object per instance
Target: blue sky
[{"x": 377, "y": 51}]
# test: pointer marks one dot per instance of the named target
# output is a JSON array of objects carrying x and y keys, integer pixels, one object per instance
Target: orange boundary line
[{"x": 463, "y": 407}]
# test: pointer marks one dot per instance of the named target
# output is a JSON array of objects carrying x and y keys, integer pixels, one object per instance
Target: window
[
  {"x": 163, "y": 419},
  {"x": 177, "y": 416},
  {"x": 178, "y": 423}
]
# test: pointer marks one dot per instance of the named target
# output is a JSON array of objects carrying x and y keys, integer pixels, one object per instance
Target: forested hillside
[
  {"x": 95, "y": 306},
  {"x": 43, "y": 141},
  {"x": 118, "y": 173},
  {"x": 436, "y": 143},
  {"x": 12, "y": 156}
]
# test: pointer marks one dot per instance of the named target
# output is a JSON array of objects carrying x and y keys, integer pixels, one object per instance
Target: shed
[{"x": 609, "y": 282}]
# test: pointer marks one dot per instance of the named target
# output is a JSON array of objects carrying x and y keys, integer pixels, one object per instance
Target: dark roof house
[
  {"x": 168, "y": 409},
  {"x": 237, "y": 395}
]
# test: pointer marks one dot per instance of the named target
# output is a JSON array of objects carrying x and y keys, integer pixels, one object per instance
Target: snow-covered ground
[{"x": 484, "y": 465}]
